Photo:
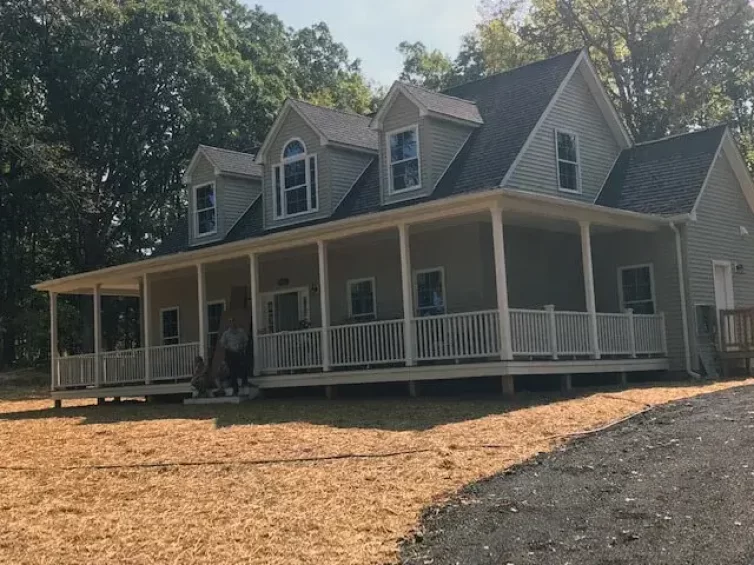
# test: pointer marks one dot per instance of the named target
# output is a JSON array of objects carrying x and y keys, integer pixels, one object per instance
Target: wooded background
[{"x": 103, "y": 102}]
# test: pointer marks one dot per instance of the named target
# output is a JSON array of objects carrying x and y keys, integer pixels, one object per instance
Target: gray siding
[
  {"x": 346, "y": 167},
  {"x": 575, "y": 111},
  {"x": 716, "y": 236},
  {"x": 621, "y": 249},
  {"x": 295, "y": 126},
  {"x": 203, "y": 173},
  {"x": 235, "y": 195},
  {"x": 443, "y": 142}
]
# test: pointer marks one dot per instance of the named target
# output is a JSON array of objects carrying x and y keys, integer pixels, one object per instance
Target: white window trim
[
  {"x": 577, "y": 163},
  {"x": 349, "y": 284},
  {"x": 305, "y": 156},
  {"x": 388, "y": 135},
  {"x": 162, "y": 325},
  {"x": 418, "y": 272},
  {"x": 304, "y": 302},
  {"x": 214, "y": 303},
  {"x": 196, "y": 210},
  {"x": 651, "y": 282}
]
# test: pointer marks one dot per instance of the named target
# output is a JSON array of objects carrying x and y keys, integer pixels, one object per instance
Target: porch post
[
  {"x": 501, "y": 279},
  {"x": 408, "y": 306},
  {"x": 586, "y": 261},
  {"x": 146, "y": 311},
  {"x": 202, "y": 299},
  {"x": 54, "y": 379},
  {"x": 254, "y": 291},
  {"x": 97, "y": 310},
  {"x": 324, "y": 302}
]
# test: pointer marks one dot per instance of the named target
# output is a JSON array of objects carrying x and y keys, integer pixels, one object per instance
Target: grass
[{"x": 141, "y": 484}]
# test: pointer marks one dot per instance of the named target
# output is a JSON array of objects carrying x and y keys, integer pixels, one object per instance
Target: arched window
[{"x": 295, "y": 181}]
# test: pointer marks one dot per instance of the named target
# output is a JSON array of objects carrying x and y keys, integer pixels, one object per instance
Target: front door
[
  {"x": 723, "y": 276},
  {"x": 287, "y": 318}
]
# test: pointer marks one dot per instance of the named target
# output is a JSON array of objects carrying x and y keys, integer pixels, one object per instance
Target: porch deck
[{"x": 461, "y": 345}]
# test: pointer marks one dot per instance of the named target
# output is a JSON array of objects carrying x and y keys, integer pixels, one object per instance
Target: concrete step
[{"x": 216, "y": 400}]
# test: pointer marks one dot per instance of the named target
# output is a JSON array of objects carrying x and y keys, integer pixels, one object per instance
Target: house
[{"x": 508, "y": 226}]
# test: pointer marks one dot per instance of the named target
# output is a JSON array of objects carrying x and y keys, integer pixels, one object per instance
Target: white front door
[{"x": 723, "y": 285}]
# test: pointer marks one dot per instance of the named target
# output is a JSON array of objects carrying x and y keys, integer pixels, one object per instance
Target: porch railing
[
  {"x": 649, "y": 330},
  {"x": 614, "y": 334},
  {"x": 291, "y": 350},
  {"x": 367, "y": 343},
  {"x": 170, "y": 362},
  {"x": 124, "y": 366},
  {"x": 457, "y": 336},
  {"x": 76, "y": 370}
]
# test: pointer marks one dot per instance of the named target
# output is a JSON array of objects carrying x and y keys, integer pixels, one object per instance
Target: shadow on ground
[{"x": 363, "y": 408}]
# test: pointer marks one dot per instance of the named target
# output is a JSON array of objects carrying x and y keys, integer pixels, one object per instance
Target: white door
[{"x": 723, "y": 276}]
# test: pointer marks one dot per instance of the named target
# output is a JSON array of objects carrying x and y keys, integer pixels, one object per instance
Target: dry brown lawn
[{"x": 143, "y": 484}]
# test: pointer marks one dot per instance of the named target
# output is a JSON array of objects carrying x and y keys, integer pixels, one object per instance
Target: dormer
[
  {"x": 222, "y": 184},
  {"x": 312, "y": 156},
  {"x": 420, "y": 133}
]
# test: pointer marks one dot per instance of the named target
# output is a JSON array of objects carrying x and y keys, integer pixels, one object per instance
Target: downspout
[{"x": 684, "y": 305}]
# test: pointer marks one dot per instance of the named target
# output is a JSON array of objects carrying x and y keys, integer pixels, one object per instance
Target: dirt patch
[
  {"x": 142, "y": 484},
  {"x": 671, "y": 486}
]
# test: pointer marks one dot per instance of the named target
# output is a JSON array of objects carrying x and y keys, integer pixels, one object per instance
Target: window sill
[
  {"x": 569, "y": 191},
  {"x": 297, "y": 215}
]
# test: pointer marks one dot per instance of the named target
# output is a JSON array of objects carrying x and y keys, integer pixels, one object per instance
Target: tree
[{"x": 431, "y": 69}]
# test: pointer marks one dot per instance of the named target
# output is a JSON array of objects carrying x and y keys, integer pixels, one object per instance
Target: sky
[{"x": 372, "y": 29}]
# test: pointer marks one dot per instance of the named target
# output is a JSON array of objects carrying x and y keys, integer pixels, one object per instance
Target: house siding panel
[
  {"x": 346, "y": 167},
  {"x": 237, "y": 196},
  {"x": 575, "y": 111},
  {"x": 444, "y": 141}
]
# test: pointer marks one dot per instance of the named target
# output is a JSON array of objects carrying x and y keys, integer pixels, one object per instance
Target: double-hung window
[
  {"x": 404, "y": 171},
  {"x": 170, "y": 326},
  {"x": 430, "y": 292},
  {"x": 569, "y": 168},
  {"x": 362, "y": 302},
  {"x": 205, "y": 204},
  {"x": 295, "y": 181},
  {"x": 636, "y": 286}
]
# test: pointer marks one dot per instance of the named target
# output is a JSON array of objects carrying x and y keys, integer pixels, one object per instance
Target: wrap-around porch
[{"x": 453, "y": 294}]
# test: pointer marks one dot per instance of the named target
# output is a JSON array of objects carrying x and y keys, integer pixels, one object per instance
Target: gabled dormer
[
  {"x": 222, "y": 184},
  {"x": 311, "y": 157},
  {"x": 420, "y": 133}
]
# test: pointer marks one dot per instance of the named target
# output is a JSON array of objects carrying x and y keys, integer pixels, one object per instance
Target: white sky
[{"x": 372, "y": 29}]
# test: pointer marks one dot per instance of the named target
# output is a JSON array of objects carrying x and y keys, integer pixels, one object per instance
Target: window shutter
[
  {"x": 313, "y": 182},
  {"x": 278, "y": 190}
]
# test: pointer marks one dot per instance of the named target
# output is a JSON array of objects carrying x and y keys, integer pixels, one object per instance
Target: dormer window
[
  {"x": 404, "y": 160},
  {"x": 295, "y": 181},
  {"x": 205, "y": 205}
]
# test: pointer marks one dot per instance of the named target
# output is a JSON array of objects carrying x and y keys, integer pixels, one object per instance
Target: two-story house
[{"x": 505, "y": 227}]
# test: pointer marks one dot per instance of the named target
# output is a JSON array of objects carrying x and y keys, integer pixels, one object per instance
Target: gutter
[{"x": 684, "y": 306}]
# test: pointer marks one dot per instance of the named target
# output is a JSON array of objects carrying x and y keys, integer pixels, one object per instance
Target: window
[
  {"x": 569, "y": 170},
  {"x": 206, "y": 209},
  {"x": 637, "y": 288},
  {"x": 361, "y": 299},
  {"x": 215, "y": 311},
  {"x": 169, "y": 326},
  {"x": 404, "y": 160},
  {"x": 430, "y": 292},
  {"x": 295, "y": 181}
]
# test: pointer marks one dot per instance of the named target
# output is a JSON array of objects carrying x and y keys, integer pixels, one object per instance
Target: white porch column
[
  {"x": 202, "y": 300},
  {"x": 146, "y": 317},
  {"x": 586, "y": 261},
  {"x": 324, "y": 303},
  {"x": 408, "y": 302},
  {"x": 501, "y": 279},
  {"x": 54, "y": 340},
  {"x": 255, "y": 313},
  {"x": 97, "y": 311}
]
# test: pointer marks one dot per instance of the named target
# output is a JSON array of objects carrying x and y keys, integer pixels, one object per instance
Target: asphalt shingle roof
[
  {"x": 664, "y": 176},
  {"x": 446, "y": 105},
  {"x": 342, "y": 127},
  {"x": 232, "y": 161}
]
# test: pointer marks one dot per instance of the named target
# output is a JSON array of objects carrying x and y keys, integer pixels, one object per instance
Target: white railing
[
  {"x": 649, "y": 330},
  {"x": 367, "y": 343},
  {"x": 290, "y": 350},
  {"x": 614, "y": 334},
  {"x": 76, "y": 370},
  {"x": 531, "y": 332},
  {"x": 457, "y": 336},
  {"x": 173, "y": 361},
  {"x": 572, "y": 333},
  {"x": 125, "y": 366}
]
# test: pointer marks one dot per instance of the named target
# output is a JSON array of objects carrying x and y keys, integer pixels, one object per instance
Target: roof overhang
[
  {"x": 200, "y": 152},
  {"x": 288, "y": 107},
  {"x": 128, "y": 275}
]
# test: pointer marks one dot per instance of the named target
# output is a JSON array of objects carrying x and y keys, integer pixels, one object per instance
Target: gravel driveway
[{"x": 672, "y": 486}]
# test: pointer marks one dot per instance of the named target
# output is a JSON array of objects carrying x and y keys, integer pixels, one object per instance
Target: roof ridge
[
  {"x": 681, "y": 134},
  {"x": 338, "y": 110},
  {"x": 501, "y": 73},
  {"x": 227, "y": 150},
  {"x": 439, "y": 92}
]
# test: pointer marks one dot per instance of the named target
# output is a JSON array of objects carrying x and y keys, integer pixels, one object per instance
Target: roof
[
  {"x": 443, "y": 104},
  {"x": 233, "y": 162},
  {"x": 663, "y": 176},
  {"x": 339, "y": 126}
]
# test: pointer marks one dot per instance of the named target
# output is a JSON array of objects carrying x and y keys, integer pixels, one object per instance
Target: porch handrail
[
  {"x": 650, "y": 334},
  {"x": 76, "y": 370},
  {"x": 122, "y": 366},
  {"x": 367, "y": 343},
  {"x": 173, "y": 361},
  {"x": 457, "y": 336},
  {"x": 283, "y": 351}
]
